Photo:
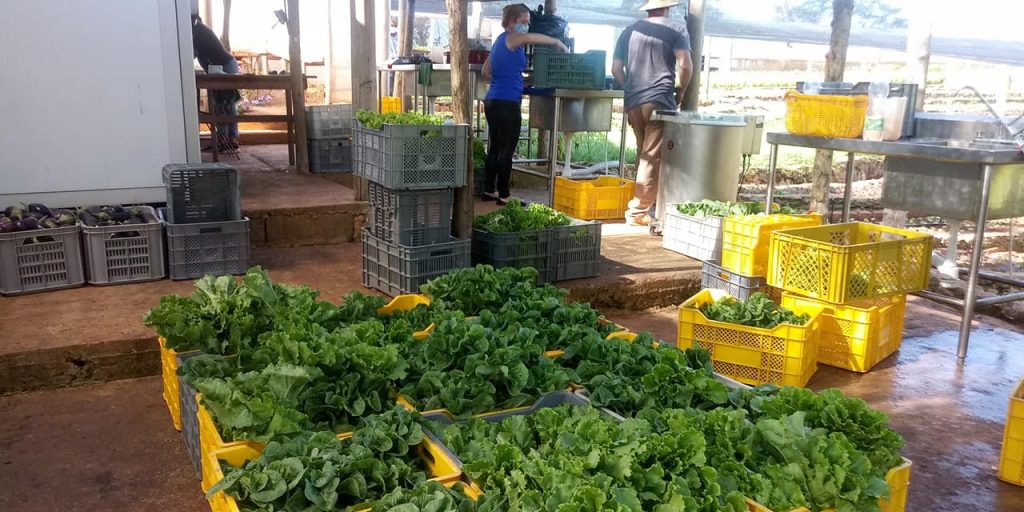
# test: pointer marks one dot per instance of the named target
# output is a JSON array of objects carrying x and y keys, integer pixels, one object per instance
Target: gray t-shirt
[{"x": 648, "y": 49}]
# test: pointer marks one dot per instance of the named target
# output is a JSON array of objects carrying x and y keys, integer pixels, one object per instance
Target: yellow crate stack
[
  {"x": 1011, "y": 457},
  {"x": 785, "y": 355},
  {"x": 605, "y": 197}
]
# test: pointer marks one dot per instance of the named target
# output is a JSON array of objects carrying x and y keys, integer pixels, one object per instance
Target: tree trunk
[
  {"x": 461, "y": 108},
  {"x": 298, "y": 88},
  {"x": 406, "y": 22},
  {"x": 550, "y": 7},
  {"x": 835, "y": 64},
  {"x": 225, "y": 37},
  {"x": 695, "y": 26}
]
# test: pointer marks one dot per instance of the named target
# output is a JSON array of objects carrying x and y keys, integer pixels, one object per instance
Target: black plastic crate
[
  {"x": 515, "y": 250},
  {"x": 576, "y": 250},
  {"x": 330, "y": 155},
  {"x": 410, "y": 217},
  {"x": 329, "y": 121},
  {"x": 396, "y": 269},
  {"x": 202, "y": 192}
]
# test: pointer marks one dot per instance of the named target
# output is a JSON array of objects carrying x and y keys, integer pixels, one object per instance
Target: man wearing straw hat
[{"x": 648, "y": 56}]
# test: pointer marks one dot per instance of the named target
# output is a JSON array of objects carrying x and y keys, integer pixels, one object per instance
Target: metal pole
[
  {"x": 553, "y": 150},
  {"x": 773, "y": 158},
  {"x": 622, "y": 145},
  {"x": 972, "y": 271},
  {"x": 848, "y": 189}
]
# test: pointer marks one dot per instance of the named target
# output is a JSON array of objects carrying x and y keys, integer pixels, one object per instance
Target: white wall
[{"x": 91, "y": 100}]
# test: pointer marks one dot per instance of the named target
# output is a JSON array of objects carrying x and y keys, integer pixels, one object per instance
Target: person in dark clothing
[
  {"x": 504, "y": 68},
  {"x": 210, "y": 52}
]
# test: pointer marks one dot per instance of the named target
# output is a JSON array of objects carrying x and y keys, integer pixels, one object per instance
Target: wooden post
[
  {"x": 462, "y": 99},
  {"x": 406, "y": 22},
  {"x": 298, "y": 88},
  {"x": 329, "y": 59},
  {"x": 364, "y": 67},
  {"x": 835, "y": 65},
  {"x": 695, "y": 26}
]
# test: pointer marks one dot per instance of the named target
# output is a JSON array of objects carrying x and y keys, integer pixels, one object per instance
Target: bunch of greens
[
  {"x": 318, "y": 472},
  {"x": 514, "y": 217},
  {"x": 479, "y": 288},
  {"x": 576, "y": 459},
  {"x": 426, "y": 497},
  {"x": 375, "y": 120},
  {"x": 628, "y": 377},
  {"x": 466, "y": 368},
  {"x": 712, "y": 208},
  {"x": 479, "y": 154},
  {"x": 557, "y": 321},
  {"x": 757, "y": 311}
]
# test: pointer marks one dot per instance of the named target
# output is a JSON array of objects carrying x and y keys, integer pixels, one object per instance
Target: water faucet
[{"x": 1010, "y": 128}]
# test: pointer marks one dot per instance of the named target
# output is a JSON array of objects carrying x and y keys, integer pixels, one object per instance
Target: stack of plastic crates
[
  {"x": 329, "y": 130},
  {"x": 412, "y": 173},
  {"x": 206, "y": 233},
  {"x": 859, "y": 275}
]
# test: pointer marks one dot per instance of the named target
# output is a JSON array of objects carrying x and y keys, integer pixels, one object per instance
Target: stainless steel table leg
[
  {"x": 975, "y": 267},
  {"x": 773, "y": 158},
  {"x": 553, "y": 151},
  {"x": 848, "y": 188},
  {"x": 622, "y": 146}
]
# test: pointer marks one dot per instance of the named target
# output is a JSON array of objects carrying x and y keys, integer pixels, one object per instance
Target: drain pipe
[
  {"x": 948, "y": 272},
  {"x": 592, "y": 171}
]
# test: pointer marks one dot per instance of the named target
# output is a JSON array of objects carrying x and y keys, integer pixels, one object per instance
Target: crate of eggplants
[
  {"x": 35, "y": 216},
  {"x": 114, "y": 215}
]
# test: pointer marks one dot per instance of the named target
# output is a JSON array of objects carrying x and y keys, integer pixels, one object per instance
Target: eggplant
[
  {"x": 87, "y": 218},
  {"x": 26, "y": 224},
  {"x": 116, "y": 208},
  {"x": 35, "y": 215},
  {"x": 48, "y": 223},
  {"x": 39, "y": 208},
  {"x": 6, "y": 224},
  {"x": 94, "y": 210},
  {"x": 121, "y": 215}
]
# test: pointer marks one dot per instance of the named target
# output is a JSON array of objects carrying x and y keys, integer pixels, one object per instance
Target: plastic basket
[
  {"x": 605, "y": 197},
  {"x": 39, "y": 260},
  {"x": 410, "y": 217},
  {"x": 218, "y": 248},
  {"x": 785, "y": 355},
  {"x": 390, "y": 104},
  {"x": 169, "y": 379},
  {"x": 125, "y": 254},
  {"x": 189, "y": 416},
  {"x": 328, "y": 121},
  {"x": 397, "y": 269},
  {"x": 576, "y": 250},
  {"x": 859, "y": 335},
  {"x": 697, "y": 237},
  {"x": 825, "y": 115},
  {"x": 412, "y": 156},
  {"x": 441, "y": 467},
  {"x": 553, "y": 70},
  {"x": 713, "y": 276},
  {"x": 841, "y": 263},
  {"x": 515, "y": 250},
  {"x": 202, "y": 192},
  {"x": 1011, "y": 457},
  {"x": 330, "y": 155},
  {"x": 898, "y": 479},
  {"x": 745, "y": 240}
]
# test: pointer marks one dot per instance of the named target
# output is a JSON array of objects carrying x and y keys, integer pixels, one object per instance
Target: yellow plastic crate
[
  {"x": 859, "y": 335},
  {"x": 823, "y": 115},
  {"x": 211, "y": 441},
  {"x": 593, "y": 199},
  {"x": 169, "y": 377},
  {"x": 406, "y": 303},
  {"x": 842, "y": 263},
  {"x": 1011, "y": 458},
  {"x": 440, "y": 466},
  {"x": 898, "y": 479},
  {"x": 745, "y": 239},
  {"x": 390, "y": 104},
  {"x": 786, "y": 355}
]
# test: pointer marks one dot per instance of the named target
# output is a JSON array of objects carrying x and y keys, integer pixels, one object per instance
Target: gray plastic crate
[
  {"x": 696, "y": 237},
  {"x": 125, "y": 254},
  {"x": 515, "y": 250},
  {"x": 552, "y": 70},
  {"x": 410, "y": 217},
  {"x": 330, "y": 155},
  {"x": 716, "y": 277},
  {"x": 189, "y": 420},
  {"x": 202, "y": 192},
  {"x": 328, "y": 121},
  {"x": 575, "y": 250},
  {"x": 412, "y": 156},
  {"x": 41, "y": 259},
  {"x": 218, "y": 248},
  {"x": 396, "y": 269}
]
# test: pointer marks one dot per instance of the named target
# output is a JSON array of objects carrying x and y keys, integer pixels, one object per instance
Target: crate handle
[
  {"x": 126, "y": 234},
  {"x": 441, "y": 252},
  {"x": 45, "y": 239},
  {"x": 210, "y": 230},
  {"x": 430, "y": 133}
]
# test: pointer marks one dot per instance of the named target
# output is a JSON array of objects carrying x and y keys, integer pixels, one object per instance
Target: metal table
[
  {"x": 990, "y": 159},
  {"x": 571, "y": 94}
]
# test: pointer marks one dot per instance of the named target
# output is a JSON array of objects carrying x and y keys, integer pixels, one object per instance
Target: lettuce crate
[
  {"x": 745, "y": 240},
  {"x": 169, "y": 379},
  {"x": 859, "y": 335},
  {"x": 785, "y": 355},
  {"x": 898, "y": 479},
  {"x": 841, "y": 263},
  {"x": 605, "y": 197},
  {"x": 396, "y": 269},
  {"x": 697, "y": 237},
  {"x": 575, "y": 250},
  {"x": 407, "y": 157},
  {"x": 515, "y": 250}
]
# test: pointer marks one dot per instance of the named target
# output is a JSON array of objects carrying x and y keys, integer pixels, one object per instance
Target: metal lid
[{"x": 701, "y": 118}]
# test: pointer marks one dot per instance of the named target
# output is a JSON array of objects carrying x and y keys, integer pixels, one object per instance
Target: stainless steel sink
[{"x": 981, "y": 145}]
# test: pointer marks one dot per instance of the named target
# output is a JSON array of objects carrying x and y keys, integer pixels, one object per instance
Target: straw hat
[{"x": 658, "y": 4}]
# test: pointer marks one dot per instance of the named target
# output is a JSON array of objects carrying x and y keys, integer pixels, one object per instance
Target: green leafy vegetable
[
  {"x": 376, "y": 120},
  {"x": 712, "y": 208},
  {"x": 757, "y": 311},
  {"x": 514, "y": 217}
]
